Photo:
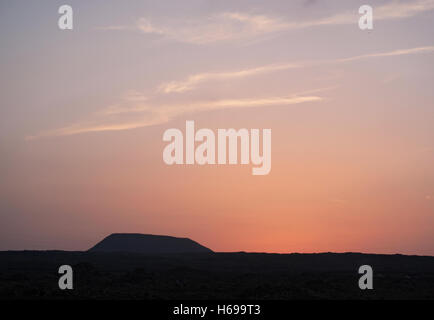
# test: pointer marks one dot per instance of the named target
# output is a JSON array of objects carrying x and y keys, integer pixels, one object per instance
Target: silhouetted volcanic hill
[{"x": 146, "y": 243}]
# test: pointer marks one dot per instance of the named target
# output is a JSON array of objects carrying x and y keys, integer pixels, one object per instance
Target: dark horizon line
[{"x": 220, "y": 252}]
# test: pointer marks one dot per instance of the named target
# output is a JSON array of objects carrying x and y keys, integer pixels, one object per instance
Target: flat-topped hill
[{"x": 146, "y": 243}]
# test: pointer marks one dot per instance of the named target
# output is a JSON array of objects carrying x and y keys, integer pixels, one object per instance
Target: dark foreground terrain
[{"x": 102, "y": 275}]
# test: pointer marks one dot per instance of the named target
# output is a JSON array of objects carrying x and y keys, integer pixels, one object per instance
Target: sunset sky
[{"x": 83, "y": 112}]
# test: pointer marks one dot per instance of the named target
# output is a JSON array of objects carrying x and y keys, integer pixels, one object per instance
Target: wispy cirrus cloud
[
  {"x": 391, "y": 10},
  {"x": 234, "y": 26},
  {"x": 228, "y": 26},
  {"x": 194, "y": 80},
  {"x": 400, "y": 52},
  {"x": 136, "y": 110},
  {"x": 403, "y": 9},
  {"x": 134, "y": 115}
]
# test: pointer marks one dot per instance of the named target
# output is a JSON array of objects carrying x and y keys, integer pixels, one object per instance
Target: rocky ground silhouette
[{"x": 124, "y": 275}]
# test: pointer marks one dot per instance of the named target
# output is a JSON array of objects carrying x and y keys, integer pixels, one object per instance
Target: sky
[{"x": 83, "y": 113}]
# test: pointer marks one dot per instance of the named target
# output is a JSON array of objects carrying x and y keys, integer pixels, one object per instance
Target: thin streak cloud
[
  {"x": 401, "y": 52},
  {"x": 236, "y": 26},
  {"x": 146, "y": 115},
  {"x": 192, "y": 81}
]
